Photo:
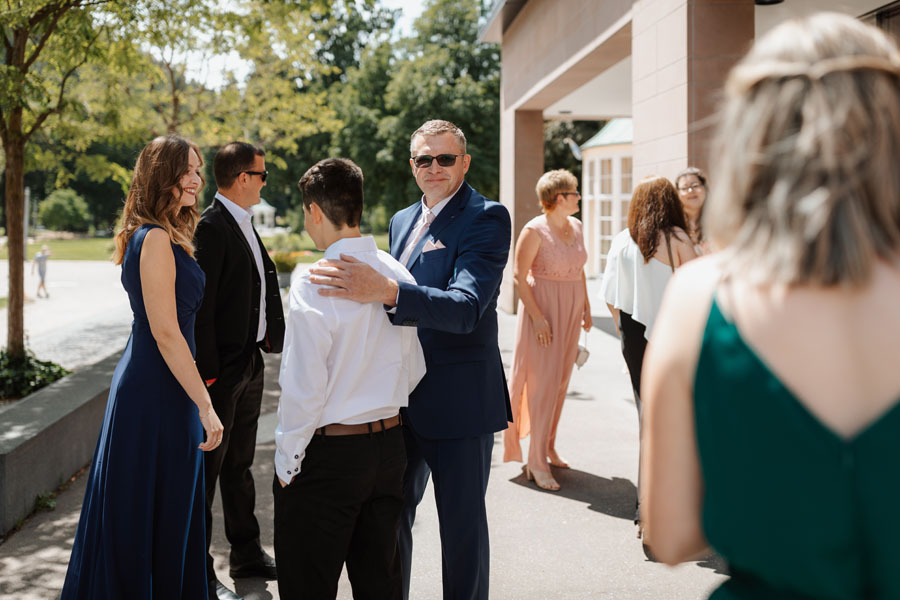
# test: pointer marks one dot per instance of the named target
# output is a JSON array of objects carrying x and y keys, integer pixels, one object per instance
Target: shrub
[
  {"x": 65, "y": 210},
  {"x": 285, "y": 242},
  {"x": 284, "y": 261},
  {"x": 22, "y": 376}
]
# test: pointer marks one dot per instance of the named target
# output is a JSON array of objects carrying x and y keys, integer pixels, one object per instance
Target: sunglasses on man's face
[
  {"x": 423, "y": 161},
  {"x": 262, "y": 174}
]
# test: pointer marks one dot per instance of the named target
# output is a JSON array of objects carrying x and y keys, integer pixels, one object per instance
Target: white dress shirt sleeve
[{"x": 303, "y": 379}]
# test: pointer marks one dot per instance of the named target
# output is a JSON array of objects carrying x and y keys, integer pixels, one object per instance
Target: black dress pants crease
[
  {"x": 344, "y": 506},
  {"x": 237, "y": 403},
  {"x": 634, "y": 345}
]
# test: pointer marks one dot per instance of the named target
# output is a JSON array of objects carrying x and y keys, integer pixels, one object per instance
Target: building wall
[
  {"x": 681, "y": 53},
  {"x": 548, "y": 48}
]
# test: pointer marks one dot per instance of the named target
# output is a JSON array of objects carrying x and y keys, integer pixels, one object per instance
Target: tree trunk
[{"x": 15, "y": 205}]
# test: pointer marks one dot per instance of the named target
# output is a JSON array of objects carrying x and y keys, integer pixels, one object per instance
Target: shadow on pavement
[
  {"x": 613, "y": 497},
  {"x": 714, "y": 562},
  {"x": 605, "y": 324}
]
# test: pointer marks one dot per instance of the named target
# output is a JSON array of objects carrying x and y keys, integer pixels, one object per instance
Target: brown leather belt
[{"x": 360, "y": 428}]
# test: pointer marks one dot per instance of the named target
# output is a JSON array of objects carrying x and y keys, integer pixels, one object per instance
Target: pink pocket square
[{"x": 430, "y": 245}]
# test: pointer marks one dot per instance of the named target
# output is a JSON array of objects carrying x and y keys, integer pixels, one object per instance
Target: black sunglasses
[
  {"x": 423, "y": 161},
  {"x": 262, "y": 174}
]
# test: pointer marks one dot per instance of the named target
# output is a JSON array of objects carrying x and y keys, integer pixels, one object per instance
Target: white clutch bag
[{"x": 583, "y": 353}]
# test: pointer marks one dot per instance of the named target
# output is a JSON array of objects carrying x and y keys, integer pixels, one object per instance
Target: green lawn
[
  {"x": 77, "y": 249},
  {"x": 3, "y": 302},
  {"x": 102, "y": 248}
]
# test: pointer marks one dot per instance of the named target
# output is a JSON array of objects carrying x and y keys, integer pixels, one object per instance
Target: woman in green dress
[{"x": 772, "y": 393}]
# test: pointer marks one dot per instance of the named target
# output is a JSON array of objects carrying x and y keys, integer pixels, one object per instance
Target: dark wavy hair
[
  {"x": 655, "y": 209},
  {"x": 151, "y": 198}
]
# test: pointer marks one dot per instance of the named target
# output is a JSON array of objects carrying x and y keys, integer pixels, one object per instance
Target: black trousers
[
  {"x": 237, "y": 402},
  {"x": 344, "y": 506},
  {"x": 634, "y": 344}
]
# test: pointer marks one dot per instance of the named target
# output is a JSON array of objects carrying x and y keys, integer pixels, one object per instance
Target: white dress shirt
[
  {"x": 343, "y": 362},
  {"x": 242, "y": 216},
  {"x": 426, "y": 218}
]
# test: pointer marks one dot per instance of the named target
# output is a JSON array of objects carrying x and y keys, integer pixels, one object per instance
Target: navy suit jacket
[{"x": 454, "y": 306}]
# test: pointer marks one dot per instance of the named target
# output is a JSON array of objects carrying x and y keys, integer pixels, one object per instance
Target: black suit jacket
[{"x": 228, "y": 320}]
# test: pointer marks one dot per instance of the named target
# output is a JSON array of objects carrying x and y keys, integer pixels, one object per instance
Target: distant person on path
[
  {"x": 553, "y": 307},
  {"x": 241, "y": 315},
  {"x": 639, "y": 265},
  {"x": 40, "y": 261},
  {"x": 141, "y": 532},
  {"x": 691, "y": 185},
  {"x": 455, "y": 242},
  {"x": 345, "y": 374},
  {"x": 771, "y": 382}
]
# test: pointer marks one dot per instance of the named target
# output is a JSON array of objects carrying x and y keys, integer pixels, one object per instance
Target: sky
[
  {"x": 211, "y": 69},
  {"x": 411, "y": 9}
]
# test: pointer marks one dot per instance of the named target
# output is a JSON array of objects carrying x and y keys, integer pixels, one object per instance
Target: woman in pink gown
[{"x": 553, "y": 306}]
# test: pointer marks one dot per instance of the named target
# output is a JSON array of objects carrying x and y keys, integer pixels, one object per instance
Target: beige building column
[
  {"x": 521, "y": 164},
  {"x": 682, "y": 51}
]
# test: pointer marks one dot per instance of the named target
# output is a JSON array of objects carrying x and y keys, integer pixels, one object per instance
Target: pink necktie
[{"x": 416, "y": 235}]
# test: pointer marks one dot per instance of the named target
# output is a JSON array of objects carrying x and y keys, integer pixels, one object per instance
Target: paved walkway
[{"x": 574, "y": 544}]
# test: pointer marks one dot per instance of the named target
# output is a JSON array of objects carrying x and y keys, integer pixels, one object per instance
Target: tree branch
[
  {"x": 54, "y": 21},
  {"x": 62, "y": 90}
]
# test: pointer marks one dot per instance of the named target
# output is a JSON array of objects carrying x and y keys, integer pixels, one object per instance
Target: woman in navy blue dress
[{"x": 142, "y": 532}]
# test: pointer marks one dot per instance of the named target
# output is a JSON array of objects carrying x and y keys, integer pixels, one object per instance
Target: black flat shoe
[
  {"x": 218, "y": 591},
  {"x": 262, "y": 566}
]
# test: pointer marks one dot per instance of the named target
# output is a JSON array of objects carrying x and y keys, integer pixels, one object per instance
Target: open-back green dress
[{"x": 797, "y": 511}]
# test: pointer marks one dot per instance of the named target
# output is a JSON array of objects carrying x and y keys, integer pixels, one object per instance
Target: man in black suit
[{"x": 241, "y": 314}]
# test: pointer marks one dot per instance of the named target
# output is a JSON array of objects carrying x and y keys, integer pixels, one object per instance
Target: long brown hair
[
  {"x": 655, "y": 209},
  {"x": 151, "y": 198}
]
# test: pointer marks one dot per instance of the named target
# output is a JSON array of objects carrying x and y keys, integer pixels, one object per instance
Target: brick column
[
  {"x": 681, "y": 53},
  {"x": 521, "y": 164}
]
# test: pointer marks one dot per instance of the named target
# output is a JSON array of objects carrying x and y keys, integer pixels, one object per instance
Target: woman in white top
[{"x": 640, "y": 263}]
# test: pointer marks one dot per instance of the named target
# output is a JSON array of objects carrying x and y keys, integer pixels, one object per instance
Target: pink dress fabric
[{"x": 540, "y": 375}]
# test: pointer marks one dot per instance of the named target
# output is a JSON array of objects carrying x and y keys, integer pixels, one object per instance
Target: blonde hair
[
  {"x": 552, "y": 183},
  {"x": 438, "y": 127},
  {"x": 807, "y": 189},
  {"x": 151, "y": 198}
]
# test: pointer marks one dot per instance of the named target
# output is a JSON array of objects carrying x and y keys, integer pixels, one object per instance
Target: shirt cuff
[
  {"x": 287, "y": 468},
  {"x": 393, "y": 310}
]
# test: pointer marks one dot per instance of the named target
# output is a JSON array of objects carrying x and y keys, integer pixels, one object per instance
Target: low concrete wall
[{"x": 48, "y": 436}]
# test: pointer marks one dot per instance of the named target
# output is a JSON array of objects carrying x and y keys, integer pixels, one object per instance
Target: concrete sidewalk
[{"x": 572, "y": 544}]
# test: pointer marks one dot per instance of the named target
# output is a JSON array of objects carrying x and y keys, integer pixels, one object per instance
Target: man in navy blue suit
[{"x": 455, "y": 242}]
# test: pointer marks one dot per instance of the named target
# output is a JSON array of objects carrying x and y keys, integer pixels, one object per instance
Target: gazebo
[{"x": 263, "y": 215}]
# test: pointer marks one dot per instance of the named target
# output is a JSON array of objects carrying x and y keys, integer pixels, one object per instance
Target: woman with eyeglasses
[
  {"x": 691, "y": 185},
  {"x": 553, "y": 306},
  {"x": 772, "y": 391},
  {"x": 639, "y": 265}
]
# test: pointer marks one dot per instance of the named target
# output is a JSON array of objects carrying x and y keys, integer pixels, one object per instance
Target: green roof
[{"x": 616, "y": 131}]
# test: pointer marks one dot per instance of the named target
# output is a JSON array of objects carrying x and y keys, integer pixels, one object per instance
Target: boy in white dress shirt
[{"x": 345, "y": 373}]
